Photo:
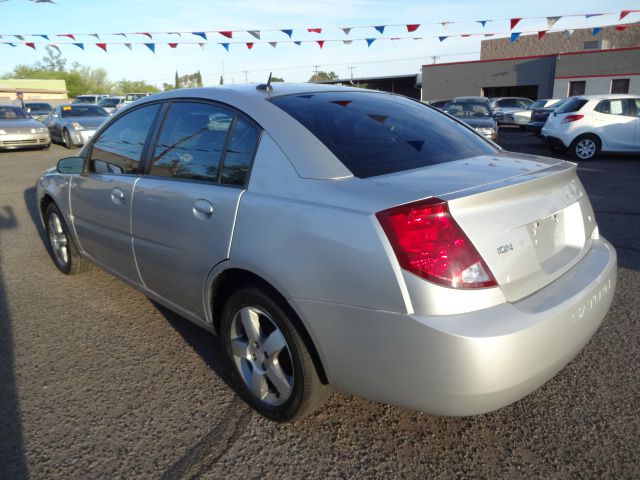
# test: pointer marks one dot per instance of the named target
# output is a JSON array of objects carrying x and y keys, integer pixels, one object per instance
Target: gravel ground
[{"x": 96, "y": 381}]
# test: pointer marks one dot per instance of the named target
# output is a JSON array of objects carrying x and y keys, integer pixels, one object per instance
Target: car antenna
[{"x": 266, "y": 87}]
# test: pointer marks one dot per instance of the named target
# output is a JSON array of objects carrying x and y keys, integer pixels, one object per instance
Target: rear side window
[
  {"x": 572, "y": 105},
  {"x": 614, "y": 107},
  {"x": 239, "y": 153},
  {"x": 375, "y": 134}
]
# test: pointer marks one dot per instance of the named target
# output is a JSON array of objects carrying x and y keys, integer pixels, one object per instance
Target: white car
[
  {"x": 523, "y": 117},
  {"x": 588, "y": 124}
]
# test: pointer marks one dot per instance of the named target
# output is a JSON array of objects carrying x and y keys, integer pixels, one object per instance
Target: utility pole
[
  {"x": 316, "y": 74},
  {"x": 245, "y": 76},
  {"x": 351, "y": 69},
  {"x": 434, "y": 58}
]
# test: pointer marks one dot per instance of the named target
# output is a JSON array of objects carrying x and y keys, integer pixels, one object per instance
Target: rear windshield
[
  {"x": 466, "y": 109},
  {"x": 11, "y": 113},
  {"x": 38, "y": 107},
  {"x": 572, "y": 104},
  {"x": 375, "y": 134}
]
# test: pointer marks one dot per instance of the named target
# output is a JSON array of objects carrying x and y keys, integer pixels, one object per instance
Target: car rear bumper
[
  {"x": 552, "y": 141},
  {"x": 469, "y": 363}
]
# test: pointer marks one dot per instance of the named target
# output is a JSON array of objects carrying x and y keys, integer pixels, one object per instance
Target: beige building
[
  {"x": 51, "y": 91},
  {"x": 561, "y": 42}
]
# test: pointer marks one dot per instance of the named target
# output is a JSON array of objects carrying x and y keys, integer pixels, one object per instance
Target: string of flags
[{"x": 257, "y": 34}]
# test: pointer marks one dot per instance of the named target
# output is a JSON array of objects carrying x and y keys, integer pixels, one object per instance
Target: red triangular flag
[
  {"x": 314, "y": 30},
  {"x": 465, "y": 35},
  {"x": 514, "y": 22},
  {"x": 249, "y": 45},
  {"x": 146, "y": 34},
  {"x": 620, "y": 28},
  {"x": 320, "y": 42},
  {"x": 173, "y": 45},
  {"x": 30, "y": 44},
  {"x": 70, "y": 35},
  {"x": 103, "y": 46},
  {"x": 541, "y": 34},
  {"x": 412, "y": 27},
  {"x": 226, "y": 34},
  {"x": 624, "y": 13}
]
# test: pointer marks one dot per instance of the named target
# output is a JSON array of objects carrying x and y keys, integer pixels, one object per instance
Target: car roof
[
  {"x": 292, "y": 138},
  {"x": 470, "y": 98},
  {"x": 609, "y": 96}
]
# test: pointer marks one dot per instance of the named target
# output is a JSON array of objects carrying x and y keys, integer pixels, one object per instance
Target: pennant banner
[
  {"x": 151, "y": 46},
  {"x": 515, "y": 36},
  {"x": 413, "y": 27},
  {"x": 370, "y": 41}
]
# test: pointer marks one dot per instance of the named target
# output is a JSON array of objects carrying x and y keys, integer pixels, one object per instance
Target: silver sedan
[
  {"x": 74, "y": 124},
  {"x": 339, "y": 237},
  {"x": 19, "y": 130}
]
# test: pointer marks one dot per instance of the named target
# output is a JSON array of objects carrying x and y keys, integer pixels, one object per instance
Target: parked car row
[{"x": 73, "y": 124}]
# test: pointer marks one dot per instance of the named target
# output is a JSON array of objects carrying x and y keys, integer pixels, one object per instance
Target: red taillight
[
  {"x": 428, "y": 242},
  {"x": 571, "y": 118}
]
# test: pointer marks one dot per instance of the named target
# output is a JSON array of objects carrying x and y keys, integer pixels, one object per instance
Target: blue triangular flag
[
  {"x": 482, "y": 22},
  {"x": 200, "y": 34},
  {"x": 288, "y": 32},
  {"x": 596, "y": 30},
  {"x": 589, "y": 15},
  {"x": 370, "y": 41},
  {"x": 298, "y": 43},
  {"x": 514, "y": 36},
  {"x": 442, "y": 39},
  {"x": 151, "y": 46},
  {"x": 43, "y": 35},
  {"x": 226, "y": 46},
  {"x": 10, "y": 44},
  {"x": 380, "y": 28},
  {"x": 79, "y": 45}
]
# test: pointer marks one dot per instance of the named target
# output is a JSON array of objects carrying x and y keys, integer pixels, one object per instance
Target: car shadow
[
  {"x": 31, "y": 202},
  {"x": 12, "y": 450}
]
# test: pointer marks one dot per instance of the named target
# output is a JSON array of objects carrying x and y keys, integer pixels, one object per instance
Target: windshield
[
  {"x": 84, "y": 99},
  {"x": 38, "y": 107},
  {"x": 134, "y": 96},
  {"x": 83, "y": 111},
  {"x": 109, "y": 102},
  {"x": 468, "y": 109},
  {"x": 538, "y": 104},
  {"x": 12, "y": 113},
  {"x": 375, "y": 133}
]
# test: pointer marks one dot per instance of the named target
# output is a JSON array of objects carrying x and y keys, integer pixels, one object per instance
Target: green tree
[
  {"x": 133, "y": 86},
  {"x": 53, "y": 61},
  {"x": 322, "y": 76},
  {"x": 221, "y": 80},
  {"x": 199, "y": 79},
  {"x": 176, "y": 83},
  {"x": 277, "y": 79}
]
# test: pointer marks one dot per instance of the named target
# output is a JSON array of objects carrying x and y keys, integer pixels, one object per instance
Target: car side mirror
[{"x": 70, "y": 165}]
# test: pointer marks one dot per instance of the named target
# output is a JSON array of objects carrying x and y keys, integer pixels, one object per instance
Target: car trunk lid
[{"x": 528, "y": 217}]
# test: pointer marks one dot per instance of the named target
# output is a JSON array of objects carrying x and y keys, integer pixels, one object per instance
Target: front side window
[
  {"x": 11, "y": 113},
  {"x": 192, "y": 142},
  {"x": 119, "y": 147},
  {"x": 375, "y": 133}
]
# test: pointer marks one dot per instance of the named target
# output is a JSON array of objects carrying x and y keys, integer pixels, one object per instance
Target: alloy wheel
[
  {"x": 262, "y": 356},
  {"x": 58, "y": 239},
  {"x": 586, "y": 148}
]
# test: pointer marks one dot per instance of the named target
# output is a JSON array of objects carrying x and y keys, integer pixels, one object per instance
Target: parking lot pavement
[{"x": 98, "y": 382}]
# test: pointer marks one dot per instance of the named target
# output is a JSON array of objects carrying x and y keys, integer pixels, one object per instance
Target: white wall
[{"x": 595, "y": 85}]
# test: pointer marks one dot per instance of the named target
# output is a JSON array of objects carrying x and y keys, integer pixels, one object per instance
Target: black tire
[
  {"x": 304, "y": 392},
  {"x": 585, "y": 147},
  {"x": 63, "y": 251},
  {"x": 558, "y": 149},
  {"x": 66, "y": 139}
]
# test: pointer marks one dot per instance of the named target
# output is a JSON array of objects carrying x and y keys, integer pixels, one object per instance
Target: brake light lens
[
  {"x": 571, "y": 118},
  {"x": 429, "y": 243}
]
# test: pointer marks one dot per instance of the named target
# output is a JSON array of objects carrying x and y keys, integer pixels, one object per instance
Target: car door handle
[
  {"x": 203, "y": 209},
  {"x": 117, "y": 196}
]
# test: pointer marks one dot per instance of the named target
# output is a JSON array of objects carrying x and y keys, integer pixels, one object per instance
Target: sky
[{"x": 292, "y": 62}]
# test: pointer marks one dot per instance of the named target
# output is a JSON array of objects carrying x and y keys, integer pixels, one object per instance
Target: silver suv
[{"x": 505, "y": 107}]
